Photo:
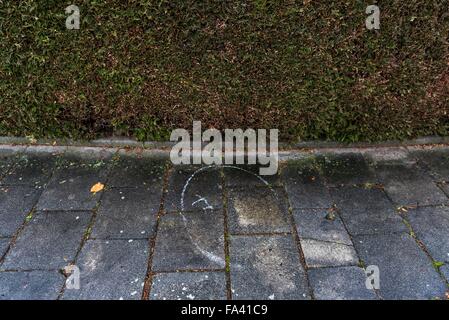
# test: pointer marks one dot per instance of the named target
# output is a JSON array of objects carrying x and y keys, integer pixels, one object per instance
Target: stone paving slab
[
  {"x": 321, "y": 224},
  {"x": 367, "y": 211},
  {"x": 134, "y": 171},
  {"x": 431, "y": 226},
  {"x": 347, "y": 169},
  {"x": 405, "y": 271},
  {"x": 102, "y": 263},
  {"x": 436, "y": 161},
  {"x": 31, "y": 170},
  {"x": 257, "y": 210},
  {"x": 305, "y": 186},
  {"x": 127, "y": 213},
  {"x": 202, "y": 189},
  {"x": 408, "y": 185},
  {"x": 16, "y": 202},
  {"x": 69, "y": 187},
  {"x": 343, "y": 283},
  {"x": 189, "y": 286},
  {"x": 8, "y": 157},
  {"x": 328, "y": 254},
  {"x": 30, "y": 285},
  {"x": 191, "y": 241},
  {"x": 49, "y": 241},
  {"x": 266, "y": 267}
]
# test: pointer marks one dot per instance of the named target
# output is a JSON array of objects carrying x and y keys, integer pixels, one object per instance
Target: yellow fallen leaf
[{"x": 97, "y": 187}]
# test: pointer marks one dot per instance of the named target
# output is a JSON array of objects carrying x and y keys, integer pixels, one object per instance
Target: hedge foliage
[{"x": 144, "y": 67}]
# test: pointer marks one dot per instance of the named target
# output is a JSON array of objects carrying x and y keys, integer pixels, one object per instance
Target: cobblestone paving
[{"x": 162, "y": 232}]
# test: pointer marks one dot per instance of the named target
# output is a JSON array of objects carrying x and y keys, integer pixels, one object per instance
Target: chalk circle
[{"x": 211, "y": 256}]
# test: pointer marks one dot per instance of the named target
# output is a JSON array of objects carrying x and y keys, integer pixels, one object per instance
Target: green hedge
[{"x": 143, "y": 67}]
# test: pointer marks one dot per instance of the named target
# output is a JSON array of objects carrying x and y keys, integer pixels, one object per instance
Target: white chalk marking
[
  {"x": 202, "y": 199},
  {"x": 209, "y": 255}
]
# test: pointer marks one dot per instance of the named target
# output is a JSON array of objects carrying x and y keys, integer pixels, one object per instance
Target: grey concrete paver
[
  {"x": 367, "y": 211},
  {"x": 134, "y": 171},
  {"x": 194, "y": 240},
  {"x": 127, "y": 213},
  {"x": 343, "y": 283},
  {"x": 405, "y": 271},
  {"x": 328, "y": 254},
  {"x": 320, "y": 224},
  {"x": 408, "y": 185},
  {"x": 8, "y": 157},
  {"x": 30, "y": 285},
  {"x": 16, "y": 202},
  {"x": 304, "y": 185},
  {"x": 32, "y": 169},
  {"x": 111, "y": 269},
  {"x": 257, "y": 210},
  {"x": 436, "y": 161},
  {"x": 347, "y": 169},
  {"x": 267, "y": 268},
  {"x": 49, "y": 241},
  {"x": 196, "y": 187},
  {"x": 189, "y": 286},
  {"x": 431, "y": 226},
  {"x": 71, "y": 183}
]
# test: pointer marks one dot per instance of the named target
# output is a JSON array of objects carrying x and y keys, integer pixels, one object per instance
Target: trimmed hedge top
[{"x": 141, "y": 67}]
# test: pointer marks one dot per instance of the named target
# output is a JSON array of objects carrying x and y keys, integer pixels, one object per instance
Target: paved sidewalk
[{"x": 162, "y": 232}]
